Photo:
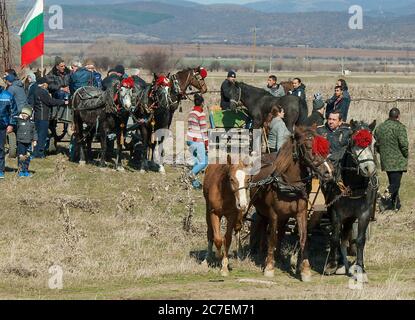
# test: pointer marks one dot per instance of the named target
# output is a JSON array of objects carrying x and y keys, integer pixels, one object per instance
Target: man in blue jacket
[
  {"x": 8, "y": 112},
  {"x": 85, "y": 77},
  {"x": 16, "y": 89}
]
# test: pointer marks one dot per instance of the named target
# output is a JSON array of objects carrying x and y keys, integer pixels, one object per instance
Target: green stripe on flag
[{"x": 34, "y": 29}]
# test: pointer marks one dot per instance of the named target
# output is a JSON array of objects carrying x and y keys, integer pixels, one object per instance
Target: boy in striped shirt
[{"x": 197, "y": 139}]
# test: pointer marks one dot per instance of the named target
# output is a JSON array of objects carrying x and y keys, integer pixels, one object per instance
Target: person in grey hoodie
[
  {"x": 278, "y": 132},
  {"x": 16, "y": 89}
]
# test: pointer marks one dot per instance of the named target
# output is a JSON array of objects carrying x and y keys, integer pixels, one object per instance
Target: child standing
[{"x": 26, "y": 137}]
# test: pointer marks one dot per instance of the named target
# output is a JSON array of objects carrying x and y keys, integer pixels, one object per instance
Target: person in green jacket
[{"x": 392, "y": 145}]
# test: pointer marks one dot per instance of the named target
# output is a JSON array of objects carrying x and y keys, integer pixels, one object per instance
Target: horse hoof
[
  {"x": 306, "y": 277},
  {"x": 162, "y": 170},
  {"x": 204, "y": 263},
  {"x": 82, "y": 163},
  {"x": 341, "y": 270},
  {"x": 120, "y": 169},
  {"x": 330, "y": 270},
  {"x": 142, "y": 171},
  {"x": 224, "y": 273},
  {"x": 269, "y": 273}
]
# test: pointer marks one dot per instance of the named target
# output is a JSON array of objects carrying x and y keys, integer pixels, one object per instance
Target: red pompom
[
  {"x": 363, "y": 138},
  {"x": 203, "y": 73},
  {"x": 163, "y": 81},
  {"x": 321, "y": 146},
  {"x": 128, "y": 83}
]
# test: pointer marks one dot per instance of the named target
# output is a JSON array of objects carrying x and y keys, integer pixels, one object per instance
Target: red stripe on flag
[{"x": 33, "y": 49}]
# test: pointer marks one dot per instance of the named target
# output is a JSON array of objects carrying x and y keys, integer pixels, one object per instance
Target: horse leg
[
  {"x": 118, "y": 162},
  {"x": 209, "y": 252},
  {"x": 228, "y": 241},
  {"x": 334, "y": 244},
  {"x": 103, "y": 137},
  {"x": 344, "y": 244},
  {"x": 217, "y": 238},
  {"x": 272, "y": 238},
  {"x": 305, "y": 268},
  {"x": 81, "y": 144},
  {"x": 360, "y": 243}
]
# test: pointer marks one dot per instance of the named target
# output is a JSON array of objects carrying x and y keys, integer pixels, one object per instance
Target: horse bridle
[
  {"x": 355, "y": 158},
  {"x": 309, "y": 162}
]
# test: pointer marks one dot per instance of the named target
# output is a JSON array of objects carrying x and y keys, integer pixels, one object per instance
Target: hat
[
  {"x": 318, "y": 96},
  {"x": 318, "y": 102},
  {"x": 27, "y": 110},
  {"x": 42, "y": 80},
  {"x": 119, "y": 69},
  {"x": 10, "y": 78},
  {"x": 58, "y": 60},
  {"x": 231, "y": 74}
]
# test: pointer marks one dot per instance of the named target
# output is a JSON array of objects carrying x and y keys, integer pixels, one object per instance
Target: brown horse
[
  {"x": 287, "y": 194},
  {"x": 225, "y": 194},
  {"x": 287, "y": 85}
]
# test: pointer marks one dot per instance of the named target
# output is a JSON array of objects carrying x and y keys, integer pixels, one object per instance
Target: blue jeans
[
  {"x": 42, "y": 127},
  {"x": 197, "y": 149},
  {"x": 2, "y": 154},
  {"x": 22, "y": 149}
]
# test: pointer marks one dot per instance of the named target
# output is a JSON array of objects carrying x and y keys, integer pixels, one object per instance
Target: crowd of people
[
  {"x": 26, "y": 108},
  {"x": 330, "y": 118}
]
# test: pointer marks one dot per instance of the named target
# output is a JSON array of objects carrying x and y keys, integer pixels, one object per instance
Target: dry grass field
[{"x": 120, "y": 235}]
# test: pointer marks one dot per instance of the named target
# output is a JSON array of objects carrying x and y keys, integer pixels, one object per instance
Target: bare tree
[{"x": 158, "y": 61}]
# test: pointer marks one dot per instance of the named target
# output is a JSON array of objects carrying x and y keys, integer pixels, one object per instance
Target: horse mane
[
  {"x": 256, "y": 89},
  {"x": 285, "y": 156}
]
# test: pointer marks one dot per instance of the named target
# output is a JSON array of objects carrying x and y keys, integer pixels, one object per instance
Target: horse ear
[
  {"x": 372, "y": 126},
  {"x": 351, "y": 123}
]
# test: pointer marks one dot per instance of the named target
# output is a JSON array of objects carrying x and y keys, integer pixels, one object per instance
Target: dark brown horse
[
  {"x": 286, "y": 195},
  {"x": 226, "y": 196}
]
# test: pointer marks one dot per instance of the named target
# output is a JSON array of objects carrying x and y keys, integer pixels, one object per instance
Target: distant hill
[{"x": 184, "y": 21}]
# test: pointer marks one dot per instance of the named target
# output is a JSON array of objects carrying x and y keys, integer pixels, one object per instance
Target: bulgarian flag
[{"x": 32, "y": 35}]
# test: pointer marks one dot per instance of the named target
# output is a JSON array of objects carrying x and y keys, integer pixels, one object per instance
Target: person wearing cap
[
  {"x": 26, "y": 137},
  {"x": 8, "y": 112},
  {"x": 225, "y": 97},
  {"x": 43, "y": 102},
  {"x": 58, "y": 80},
  {"x": 117, "y": 73},
  {"x": 85, "y": 77},
  {"x": 317, "y": 116},
  {"x": 16, "y": 89},
  {"x": 197, "y": 139}
]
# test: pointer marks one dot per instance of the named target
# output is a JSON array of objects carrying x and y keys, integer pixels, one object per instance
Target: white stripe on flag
[{"x": 36, "y": 10}]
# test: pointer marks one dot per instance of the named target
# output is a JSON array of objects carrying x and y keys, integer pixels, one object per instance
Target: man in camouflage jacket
[{"x": 392, "y": 145}]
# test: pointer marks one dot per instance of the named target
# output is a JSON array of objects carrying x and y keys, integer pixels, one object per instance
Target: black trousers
[{"x": 395, "y": 178}]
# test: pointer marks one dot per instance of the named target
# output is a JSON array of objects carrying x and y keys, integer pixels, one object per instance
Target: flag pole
[{"x": 41, "y": 64}]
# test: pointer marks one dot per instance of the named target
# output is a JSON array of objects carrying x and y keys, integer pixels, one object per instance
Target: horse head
[
  {"x": 313, "y": 150},
  {"x": 361, "y": 147},
  {"x": 238, "y": 177},
  {"x": 189, "y": 78}
]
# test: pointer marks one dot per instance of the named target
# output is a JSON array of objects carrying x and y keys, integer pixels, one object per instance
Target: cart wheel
[{"x": 11, "y": 145}]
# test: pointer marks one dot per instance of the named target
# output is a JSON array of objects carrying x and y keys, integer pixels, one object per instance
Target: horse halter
[
  {"x": 300, "y": 154},
  {"x": 355, "y": 158}
]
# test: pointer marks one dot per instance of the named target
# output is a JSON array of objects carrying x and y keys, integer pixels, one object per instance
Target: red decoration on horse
[
  {"x": 203, "y": 73},
  {"x": 321, "y": 146},
  {"x": 363, "y": 138},
  {"x": 163, "y": 81},
  {"x": 128, "y": 83}
]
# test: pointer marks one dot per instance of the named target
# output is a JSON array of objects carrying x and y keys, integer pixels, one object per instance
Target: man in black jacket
[
  {"x": 43, "y": 102},
  {"x": 59, "y": 79},
  {"x": 299, "y": 91},
  {"x": 114, "y": 74},
  {"x": 225, "y": 99}
]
